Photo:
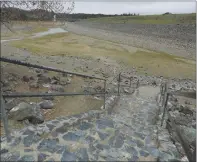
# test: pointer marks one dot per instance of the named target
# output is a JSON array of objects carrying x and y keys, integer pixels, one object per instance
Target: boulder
[
  {"x": 189, "y": 133},
  {"x": 25, "y": 111},
  {"x": 46, "y": 104}
]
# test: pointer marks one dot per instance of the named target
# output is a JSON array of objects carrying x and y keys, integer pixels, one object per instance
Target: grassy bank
[
  {"x": 150, "y": 19},
  {"x": 153, "y": 63},
  {"x": 25, "y": 29}
]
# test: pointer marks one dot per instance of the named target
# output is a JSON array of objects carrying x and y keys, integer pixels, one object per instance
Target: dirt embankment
[{"x": 176, "y": 39}]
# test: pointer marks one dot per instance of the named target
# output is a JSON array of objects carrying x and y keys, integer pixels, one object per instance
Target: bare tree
[{"x": 39, "y": 7}]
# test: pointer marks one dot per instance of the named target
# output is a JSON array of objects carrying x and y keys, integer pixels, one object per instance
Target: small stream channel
[{"x": 40, "y": 34}]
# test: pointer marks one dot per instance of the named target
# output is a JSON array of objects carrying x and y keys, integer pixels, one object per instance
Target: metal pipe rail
[
  {"x": 46, "y": 68},
  {"x": 12, "y": 95}
]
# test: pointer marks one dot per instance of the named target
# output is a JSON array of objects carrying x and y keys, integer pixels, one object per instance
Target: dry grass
[
  {"x": 153, "y": 63},
  {"x": 25, "y": 29}
]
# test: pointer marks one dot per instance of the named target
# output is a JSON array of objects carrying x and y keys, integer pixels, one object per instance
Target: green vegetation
[
  {"x": 149, "y": 62},
  {"x": 149, "y": 19}
]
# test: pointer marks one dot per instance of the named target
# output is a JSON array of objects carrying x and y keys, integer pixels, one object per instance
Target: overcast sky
[{"x": 114, "y": 7}]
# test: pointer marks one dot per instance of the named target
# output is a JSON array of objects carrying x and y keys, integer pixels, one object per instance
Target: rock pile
[{"x": 183, "y": 113}]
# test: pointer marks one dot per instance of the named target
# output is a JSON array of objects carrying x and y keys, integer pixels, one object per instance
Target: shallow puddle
[{"x": 50, "y": 31}]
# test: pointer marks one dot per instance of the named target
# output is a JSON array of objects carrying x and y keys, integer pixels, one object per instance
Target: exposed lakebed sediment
[{"x": 176, "y": 39}]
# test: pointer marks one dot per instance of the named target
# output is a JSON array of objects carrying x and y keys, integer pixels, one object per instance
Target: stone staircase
[{"x": 128, "y": 133}]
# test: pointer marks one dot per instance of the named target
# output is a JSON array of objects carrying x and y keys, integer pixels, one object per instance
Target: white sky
[{"x": 145, "y": 7}]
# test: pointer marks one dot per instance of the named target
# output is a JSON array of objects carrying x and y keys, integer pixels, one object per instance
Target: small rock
[
  {"x": 57, "y": 88},
  {"x": 187, "y": 102},
  {"x": 3, "y": 151},
  {"x": 38, "y": 71},
  {"x": 47, "y": 104},
  {"x": 126, "y": 90},
  {"x": 33, "y": 85},
  {"x": 31, "y": 78},
  {"x": 186, "y": 110},
  {"x": 54, "y": 82},
  {"x": 25, "y": 78},
  {"x": 55, "y": 78},
  {"x": 42, "y": 156},
  {"x": 68, "y": 80},
  {"x": 5, "y": 83},
  {"x": 43, "y": 79},
  {"x": 154, "y": 83}
]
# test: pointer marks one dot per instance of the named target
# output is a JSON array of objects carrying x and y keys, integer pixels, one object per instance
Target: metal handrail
[
  {"x": 46, "y": 68},
  {"x": 41, "y": 94},
  {"x": 17, "y": 94}
]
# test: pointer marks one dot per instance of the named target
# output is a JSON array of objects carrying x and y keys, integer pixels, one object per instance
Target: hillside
[{"x": 149, "y": 19}]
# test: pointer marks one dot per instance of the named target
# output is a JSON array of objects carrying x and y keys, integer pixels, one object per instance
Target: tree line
[{"x": 33, "y": 15}]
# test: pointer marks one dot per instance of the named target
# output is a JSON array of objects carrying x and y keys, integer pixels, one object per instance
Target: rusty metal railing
[
  {"x": 40, "y": 94},
  {"x": 12, "y": 95}
]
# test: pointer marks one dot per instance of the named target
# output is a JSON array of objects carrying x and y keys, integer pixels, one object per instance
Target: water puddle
[
  {"x": 40, "y": 34},
  {"x": 50, "y": 31},
  {"x": 11, "y": 40}
]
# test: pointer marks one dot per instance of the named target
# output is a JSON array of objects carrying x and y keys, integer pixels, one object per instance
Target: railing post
[
  {"x": 105, "y": 93},
  {"x": 130, "y": 81},
  {"x": 165, "y": 105},
  {"x": 119, "y": 84},
  {"x": 161, "y": 93},
  {"x": 5, "y": 120},
  {"x": 138, "y": 82}
]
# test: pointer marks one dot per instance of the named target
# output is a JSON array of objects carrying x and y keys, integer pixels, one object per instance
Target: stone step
[{"x": 128, "y": 133}]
